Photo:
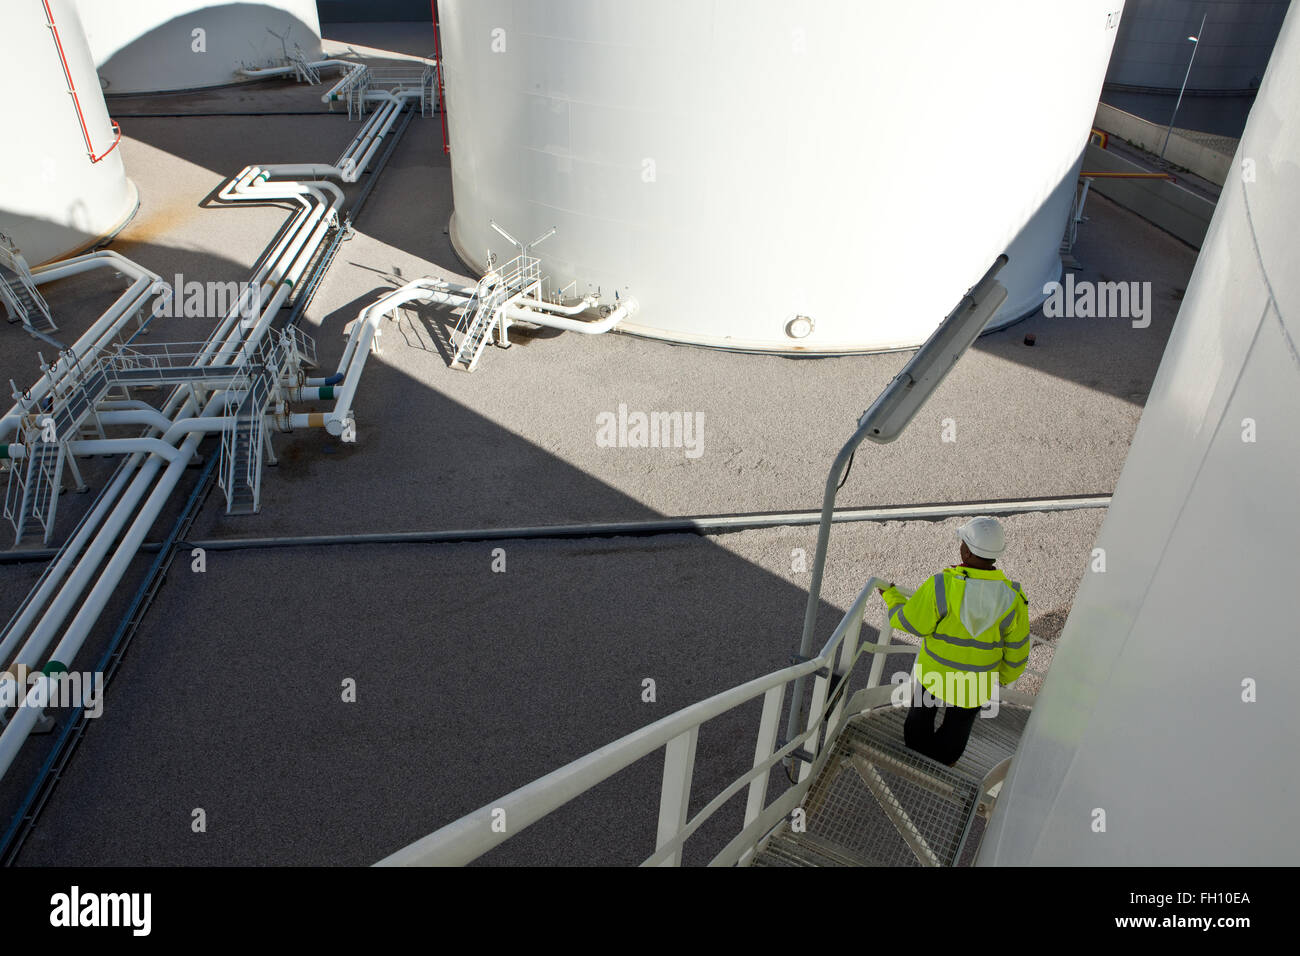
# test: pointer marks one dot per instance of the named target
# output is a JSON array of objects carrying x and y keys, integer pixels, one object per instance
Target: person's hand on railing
[{"x": 885, "y": 588}]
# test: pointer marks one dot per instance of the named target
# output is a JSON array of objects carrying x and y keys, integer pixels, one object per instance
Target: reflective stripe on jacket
[{"x": 973, "y": 625}]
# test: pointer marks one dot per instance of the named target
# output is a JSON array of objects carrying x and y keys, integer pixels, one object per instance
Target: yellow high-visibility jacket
[{"x": 974, "y": 627}]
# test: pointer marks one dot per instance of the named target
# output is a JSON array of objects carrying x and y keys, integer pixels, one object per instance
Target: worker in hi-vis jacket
[{"x": 973, "y": 622}]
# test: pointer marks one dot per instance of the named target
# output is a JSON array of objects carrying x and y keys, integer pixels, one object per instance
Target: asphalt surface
[{"x": 470, "y": 682}]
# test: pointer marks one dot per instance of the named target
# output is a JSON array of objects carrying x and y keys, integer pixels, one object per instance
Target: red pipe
[
  {"x": 442, "y": 96},
  {"x": 76, "y": 102}
]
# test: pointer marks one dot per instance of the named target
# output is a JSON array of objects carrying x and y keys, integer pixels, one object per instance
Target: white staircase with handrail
[
  {"x": 865, "y": 799},
  {"x": 520, "y": 278},
  {"x": 18, "y": 292}
]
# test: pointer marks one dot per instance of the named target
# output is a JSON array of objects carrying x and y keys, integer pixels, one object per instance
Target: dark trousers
[{"x": 948, "y": 742}]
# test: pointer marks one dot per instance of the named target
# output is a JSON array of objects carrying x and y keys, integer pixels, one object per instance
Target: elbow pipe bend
[{"x": 628, "y": 308}]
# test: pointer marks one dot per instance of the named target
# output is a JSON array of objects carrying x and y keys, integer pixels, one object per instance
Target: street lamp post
[{"x": 1196, "y": 42}]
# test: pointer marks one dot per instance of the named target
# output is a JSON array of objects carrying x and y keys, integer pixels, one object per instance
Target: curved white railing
[{"x": 471, "y": 836}]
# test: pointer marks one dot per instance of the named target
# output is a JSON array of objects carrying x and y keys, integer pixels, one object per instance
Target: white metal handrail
[
  {"x": 468, "y": 838},
  {"x": 473, "y": 835}
]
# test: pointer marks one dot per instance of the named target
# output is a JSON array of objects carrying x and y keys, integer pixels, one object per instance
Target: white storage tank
[
  {"x": 736, "y": 164},
  {"x": 1151, "y": 710},
  {"x": 154, "y": 45},
  {"x": 62, "y": 183}
]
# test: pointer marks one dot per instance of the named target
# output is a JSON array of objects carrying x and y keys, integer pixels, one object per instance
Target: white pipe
[
  {"x": 627, "y": 308},
  {"x": 348, "y": 161},
  {"x": 60, "y": 607},
  {"x": 69, "y": 553},
  {"x": 588, "y": 302},
  {"x": 399, "y": 101},
  {"x": 25, "y": 716},
  {"x": 350, "y": 151},
  {"x": 358, "y": 345},
  {"x": 282, "y": 267},
  {"x": 435, "y": 290},
  {"x": 148, "y": 415},
  {"x": 107, "y": 325},
  {"x": 351, "y": 76},
  {"x": 286, "y": 70},
  {"x": 66, "y": 559},
  {"x": 119, "y": 446},
  {"x": 107, "y": 500},
  {"x": 306, "y": 420},
  {"x": 299, "y": 254},
  {"x": 123, "y": 404},
  {"x": 54, "y": 271}
]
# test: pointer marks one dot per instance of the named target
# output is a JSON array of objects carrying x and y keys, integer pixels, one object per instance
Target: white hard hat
[{"x": 983, "y": 536}]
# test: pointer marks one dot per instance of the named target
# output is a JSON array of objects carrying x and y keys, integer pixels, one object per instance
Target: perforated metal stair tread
[
  {"x": 800, "y": 849},
  {"x": 894, "y": 805},
  {"x": 876, "y": 802},
  {"x": 992, "y": 739}
]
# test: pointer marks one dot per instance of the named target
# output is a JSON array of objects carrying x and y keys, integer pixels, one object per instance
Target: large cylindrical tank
[
  {"x": 1169, "y": 703},
  {"x": 735, "y": 164},
  {"x": 152, "y": 45},
  {"x": 54, "y": 198}
]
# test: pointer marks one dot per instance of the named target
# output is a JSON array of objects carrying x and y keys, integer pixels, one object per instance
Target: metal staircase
[
  {"x": 859, "y": 798},
  {"x": 877, "y": 803},
  {"x": 78, "y": 386},
  {"x": 18, "y": 291},
  {"x": 278, "y": 360},
  {"x": 496, "y": 291},
  {"x": 33, "y": 490},
  {"x": 241, "y": 445},
  {"x": 303, "y": 71}
]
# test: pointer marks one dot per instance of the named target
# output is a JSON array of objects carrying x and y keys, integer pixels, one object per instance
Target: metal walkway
[
  {"x": 252, "y": 383},
  {"x": 877, "y": 803}
]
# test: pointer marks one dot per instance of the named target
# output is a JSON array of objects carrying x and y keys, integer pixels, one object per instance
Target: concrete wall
[
  {"x": 1168, "y": 205},
  {"x": 1203, "y": 161}
]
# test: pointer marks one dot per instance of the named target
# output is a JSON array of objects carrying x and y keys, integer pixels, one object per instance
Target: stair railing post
[
  {"x": 674, "y": 798},
  {"x": 763, "y": 748}
]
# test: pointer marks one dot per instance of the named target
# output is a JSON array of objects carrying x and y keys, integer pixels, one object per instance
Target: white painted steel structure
[
  {"x": 742, "y": 163},
  {"x": 62, "y": 183},
  {"x": 1145, "y": 713},
  {"x": 468, "y": 838},
  {"x": 151, "y": 45},
  {"x": 56, "y": 617}
]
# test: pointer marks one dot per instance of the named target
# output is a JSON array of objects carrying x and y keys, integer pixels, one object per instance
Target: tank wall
[
  {"x": 1151, "y": 709},
  {"x": 734, "y": 164},
  {"x": 53, "y": 199},
  {"x": 150, "y": 45}
]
